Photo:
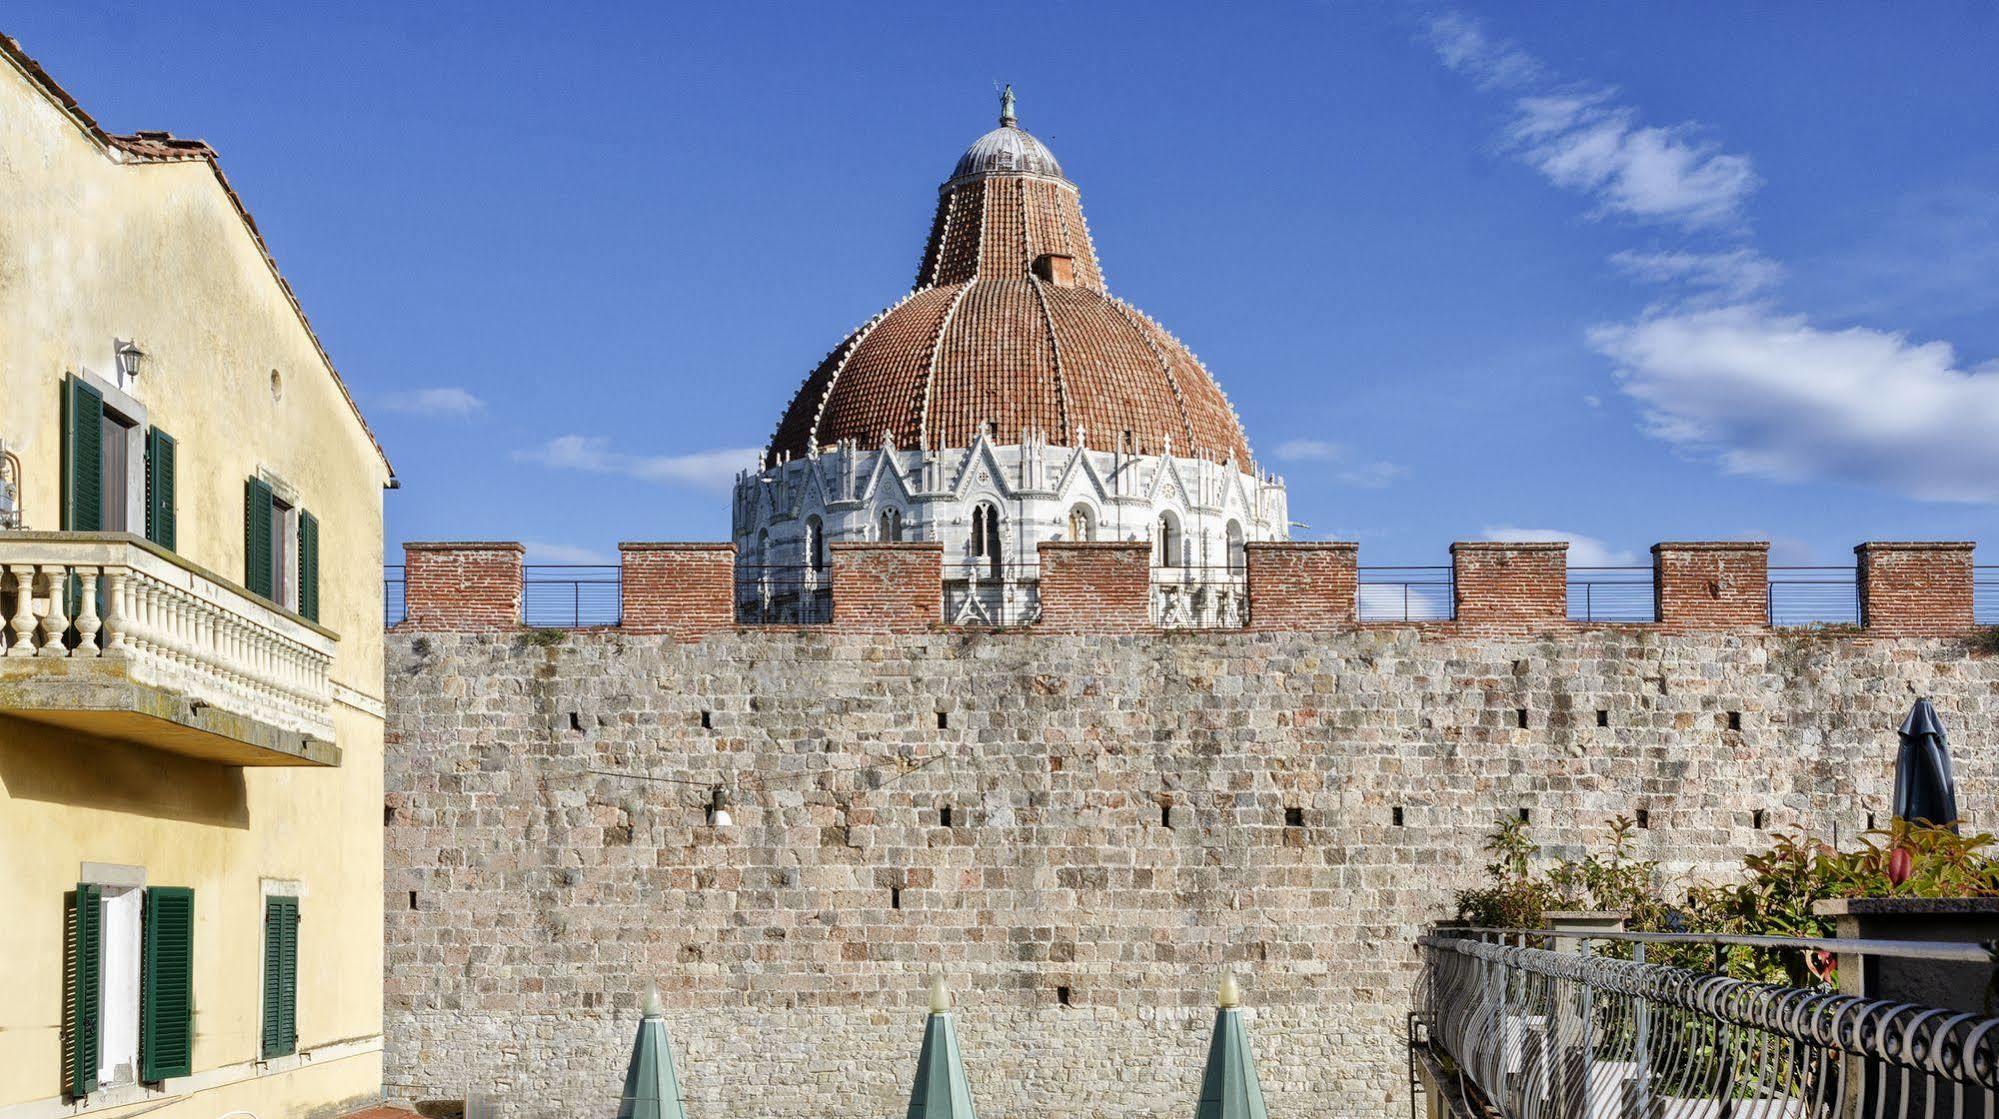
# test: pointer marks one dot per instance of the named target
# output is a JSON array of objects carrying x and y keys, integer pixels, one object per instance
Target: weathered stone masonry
[{"x": 1127, "y": 815}]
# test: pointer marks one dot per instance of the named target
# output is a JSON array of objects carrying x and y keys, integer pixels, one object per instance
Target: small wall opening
[
  {"x": 1395, "y": 815},
  {"x": 1062, "y": 995},
  {"x": 1602, "y": 717},
  {"x": 943, "y": 720},
  {"x": 576, "y": 721},
  {"x": 1757, "y": 819},
  {"x": 1525, "y": 815},
  {"x": 1520, "y": 717},
  {"x": 412, "y": 899},
  {"x": 1735, "y": 720},
  {"x": 1165, "y": 813},
  {"x": 1294, "y": 817},
  {"x": 944, "y": 816},
  {"x": 895, "y": 897},
  {"x": 1644, "y": 818},
  {"x": 707, "y": 720}
]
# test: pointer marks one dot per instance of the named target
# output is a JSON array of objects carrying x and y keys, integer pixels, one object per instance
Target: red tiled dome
[{"x": 1010, "y": 326}]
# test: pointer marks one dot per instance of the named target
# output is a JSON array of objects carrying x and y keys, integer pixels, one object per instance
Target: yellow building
[{"x": 191, "y": 623}]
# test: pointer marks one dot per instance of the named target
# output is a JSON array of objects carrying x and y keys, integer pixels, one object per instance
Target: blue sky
[{"x": 1620, "y": 273}]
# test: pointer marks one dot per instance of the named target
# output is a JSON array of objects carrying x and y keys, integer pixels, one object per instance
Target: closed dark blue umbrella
[{"x": 1924, "y": 787}]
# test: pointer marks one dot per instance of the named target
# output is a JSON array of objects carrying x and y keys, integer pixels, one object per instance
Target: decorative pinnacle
[
  {"x": 940, "y": 996},
  {"x": 1228, "y": 996},
  {"x": 1006, "y": 108},
  {"x": 655, "y": 1007}
]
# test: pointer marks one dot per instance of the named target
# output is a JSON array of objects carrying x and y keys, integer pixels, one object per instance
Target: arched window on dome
[
  {"x": 815, "y": 543},
  {"x": 1236, "y": 556},
  {"x": 1082, "y": 523},
  {"x": 891, "y": 526},
  {"x": 986, "y": 537},
  {"x": 1167, "y": 547}
]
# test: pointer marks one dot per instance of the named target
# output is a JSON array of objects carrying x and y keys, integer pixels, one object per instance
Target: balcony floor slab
[{"x": 97, "y": 696}]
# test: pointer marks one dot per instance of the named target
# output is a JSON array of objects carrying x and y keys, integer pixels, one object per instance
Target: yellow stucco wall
[{"x": 92, "y": 249}]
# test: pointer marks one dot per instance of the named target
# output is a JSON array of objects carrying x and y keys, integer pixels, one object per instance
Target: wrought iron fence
[
  {"x": 1199, "y": 596},
  {"x": 1814, "y": 596},
  {"x": 986, "y": 594},
  {"x": 1533, "y": 1033},
  {"x": 395, "y": 594},
  {"x": 571, "y": 595},
  {"x": 1985, "y": 595},
  {"x": 1612, "y": 594},
  {"x": 783, "y": 594},
  {"x": 1406, "y": 594}
]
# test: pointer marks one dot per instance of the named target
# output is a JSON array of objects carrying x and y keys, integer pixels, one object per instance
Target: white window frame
[{"x": 121, "y": 967}]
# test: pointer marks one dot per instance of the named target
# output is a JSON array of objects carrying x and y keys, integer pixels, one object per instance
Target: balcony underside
[{"x": 99, "y": 697}]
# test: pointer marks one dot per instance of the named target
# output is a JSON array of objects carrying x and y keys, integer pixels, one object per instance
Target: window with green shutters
[
  {"x": 166, "y": 985},
  {"x": 280, "y": 976},
  {"x": 82, "y": 456},
  {"x": 84, "y": 952},
  {"x": 160, "y": 522},
  {"x": 308, "y": 565},
  {"x": 257, "y": 542}
]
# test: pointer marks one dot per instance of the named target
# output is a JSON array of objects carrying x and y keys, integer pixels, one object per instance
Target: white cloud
[
  {"x": 704, "y": 470},
  {"x": 1465, "y": 47},
  {"x": 1732, "y": 276},
  {"x": 1309, "y": 450},
  {"x": 541, "y": 551},
  {"x": 1583, "y": 142},
  {"x": 1584, "y": 551},
  {"x": 1770, "y": 395},
  {"x": 1360, "y": 475},
  {"x": 455, "y": 402}
]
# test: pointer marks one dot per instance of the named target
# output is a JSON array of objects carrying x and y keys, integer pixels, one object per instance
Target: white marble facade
[{"x": 991, "y": 505}]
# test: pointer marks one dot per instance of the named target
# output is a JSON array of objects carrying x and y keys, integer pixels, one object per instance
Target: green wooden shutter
[
  {"x": 82, "y": 457},
  {"x": 280, "y": 976},
  {"x": 308, "y": 565},
  {"x": 86, "y": 955},
  {"x": 166, "y": 985},
  {"x": 160, "y": 525},
  {"x": 257, "y": 537}
]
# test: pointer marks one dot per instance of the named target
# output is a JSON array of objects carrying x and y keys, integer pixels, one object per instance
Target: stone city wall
[{"x": 1079, "y": 830}]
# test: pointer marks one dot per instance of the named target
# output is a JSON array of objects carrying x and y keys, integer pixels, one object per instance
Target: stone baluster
[
  {"x": 117, "y": 642},
  {"x": 55, "y": 623},
  {"x": 24, "y": 611},
  {"x": 87, "y": 622}
]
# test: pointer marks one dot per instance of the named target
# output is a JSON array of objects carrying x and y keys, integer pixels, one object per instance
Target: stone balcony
[{"x": 164, "y": 653}]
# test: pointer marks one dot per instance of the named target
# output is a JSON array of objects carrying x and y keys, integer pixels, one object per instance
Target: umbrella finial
[
  {"x": 1228, "y": 996},
  {"x": 940, "y": 996}
]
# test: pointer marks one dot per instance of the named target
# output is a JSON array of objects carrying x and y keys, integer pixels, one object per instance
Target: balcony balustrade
[{"x": 108, "y": 633}]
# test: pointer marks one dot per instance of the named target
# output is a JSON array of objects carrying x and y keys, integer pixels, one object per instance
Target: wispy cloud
[
  {"x": 1360, "y": 475},
  {"x": 1768, "y": 394},
  {"x": 541, "y": 551},
  {"x": 1584, "y": 550},
  {"x": 1582, "y": 139},
  {"x": 454, "y": 402},
  {"x": 704, "y": 470},
  {"x": 1732, "y": 276},
  {"x": 1720, "y": 371}
]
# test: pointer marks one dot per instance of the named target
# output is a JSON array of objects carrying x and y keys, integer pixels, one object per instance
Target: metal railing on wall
[
  {"x": 571, "y": 595},
  {"x": 395, "y": 594},
  {"x": 1612, "y": 594},
  {"x": 1406, "y": 594},
  {"x": 783, "y": 594},
  {"x": 1594, "y": 1031},
  {"x": 1985, "y": 595},
  {"x": 985, "y": 594},
  {"x": 1814, "y": 596}
]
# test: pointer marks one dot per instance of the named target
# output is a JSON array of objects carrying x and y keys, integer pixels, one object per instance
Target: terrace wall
[{"x": 1127, "y": 817}]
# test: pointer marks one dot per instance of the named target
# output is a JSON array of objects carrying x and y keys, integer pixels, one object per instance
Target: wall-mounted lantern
[{"x": 131, "y": 360}]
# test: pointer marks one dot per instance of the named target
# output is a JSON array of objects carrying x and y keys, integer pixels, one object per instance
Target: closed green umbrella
[
  {"x": 1229, "y": 1088},
  {"x": 1925, "y": 788},
  {"x": 652, "y": 1091},
  {"x": 940, "y": 1091}
]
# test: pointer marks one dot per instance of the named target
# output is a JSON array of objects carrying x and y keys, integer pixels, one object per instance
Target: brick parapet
[
  {"x": 888, "y": 587},
  {"x": 1711, "y": 584},
  {"x": 462, "y": 586},
  {"x": 686, "y": 590},
  {"x": 1915, "y": 588},
  {"x": 1509, "y": 584},
  {"x": 1095, "y": 587},
  {"x": 1297, "y": 585}
]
